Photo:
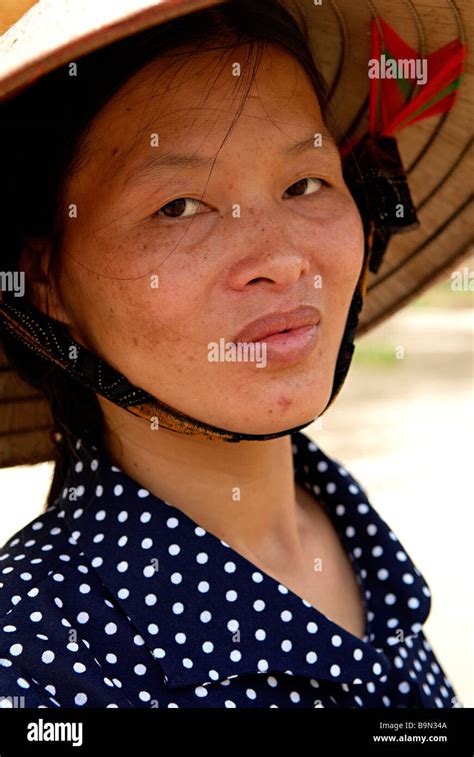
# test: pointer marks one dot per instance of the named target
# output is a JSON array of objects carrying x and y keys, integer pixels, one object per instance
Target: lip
[
  {"x": 301, "y": 330},
  {"x": 275, "y": 323}
]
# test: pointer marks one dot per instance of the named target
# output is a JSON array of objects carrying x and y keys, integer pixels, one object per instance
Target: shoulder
[
  {"x": 33, "y": 555},
  {"x": 32, "y": 566},
  {"x": 48, "y": 589},
  {"x": 44, "y": 576}
]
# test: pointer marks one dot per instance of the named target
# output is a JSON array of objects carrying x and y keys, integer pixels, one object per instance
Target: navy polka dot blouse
[{"x": 114, "y": 598}]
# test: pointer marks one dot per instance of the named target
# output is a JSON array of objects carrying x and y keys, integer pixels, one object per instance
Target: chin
[{"x": 281, "y": 417}]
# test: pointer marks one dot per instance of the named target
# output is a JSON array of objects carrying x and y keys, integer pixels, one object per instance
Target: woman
[{"x": 196, "y": 198}]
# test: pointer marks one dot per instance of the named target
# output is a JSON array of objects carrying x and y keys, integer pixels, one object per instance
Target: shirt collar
[{"x": 228, "y": 637}]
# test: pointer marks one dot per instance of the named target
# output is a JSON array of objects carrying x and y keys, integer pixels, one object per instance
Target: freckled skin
[{"x": 216, "y": 272}]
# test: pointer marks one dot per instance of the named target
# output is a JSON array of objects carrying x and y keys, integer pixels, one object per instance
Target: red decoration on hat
[
  {"x": 395, "y": 103},
  {"x": 391, "y": 106}
]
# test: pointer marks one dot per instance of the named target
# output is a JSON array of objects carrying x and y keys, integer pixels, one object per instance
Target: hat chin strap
[{"x": 50, "y": 339}]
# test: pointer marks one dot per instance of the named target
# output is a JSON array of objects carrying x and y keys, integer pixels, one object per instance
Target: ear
[{"x": 34, "y": 260}]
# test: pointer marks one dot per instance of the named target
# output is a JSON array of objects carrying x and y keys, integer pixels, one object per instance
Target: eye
[
  {"x": 301, "y": 185},
  {"x": 178, "y": 209}
]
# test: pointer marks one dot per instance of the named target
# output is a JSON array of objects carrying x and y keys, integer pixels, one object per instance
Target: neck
[{"x": 244, "y": 493}]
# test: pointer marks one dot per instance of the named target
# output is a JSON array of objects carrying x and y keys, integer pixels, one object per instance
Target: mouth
[
  {"x": 278, "y": 324},
  {"x": 286, "y": 338}
]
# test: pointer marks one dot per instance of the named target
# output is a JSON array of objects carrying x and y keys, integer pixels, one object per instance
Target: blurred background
[{"x": 403, "y": 426}]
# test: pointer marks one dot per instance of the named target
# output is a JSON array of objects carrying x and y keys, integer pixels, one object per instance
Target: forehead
[{"x": 195, "y": 99}]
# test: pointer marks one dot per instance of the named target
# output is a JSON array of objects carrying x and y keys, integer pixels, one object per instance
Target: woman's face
[{"x": 150, "y": 279}]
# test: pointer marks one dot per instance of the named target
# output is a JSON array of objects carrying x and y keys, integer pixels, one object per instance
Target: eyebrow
[{"x": 157, "y": 165}]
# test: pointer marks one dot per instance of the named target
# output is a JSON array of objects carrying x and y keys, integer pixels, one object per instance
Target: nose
[{"x": 269, "y": 256}]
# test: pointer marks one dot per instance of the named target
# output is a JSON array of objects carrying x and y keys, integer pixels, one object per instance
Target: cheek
[{"x": 345, "y": 250}]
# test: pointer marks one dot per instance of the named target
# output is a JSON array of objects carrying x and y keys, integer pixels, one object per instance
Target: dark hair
[{"x": 44, "y": 130}]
